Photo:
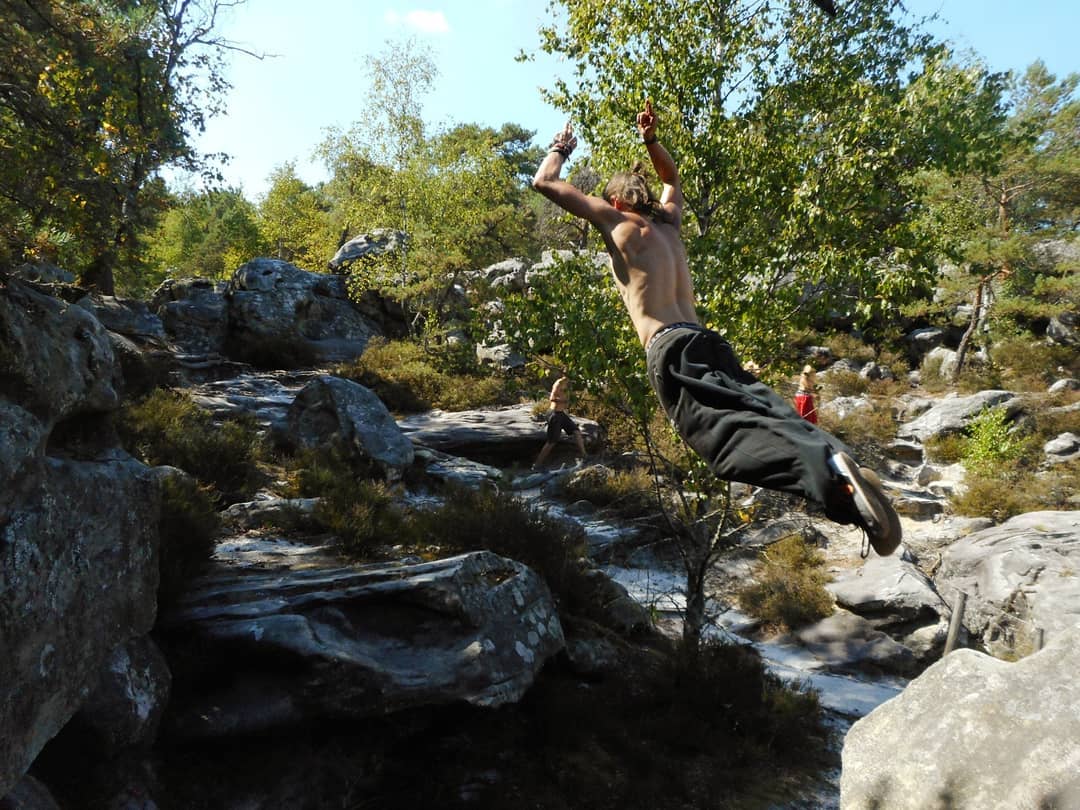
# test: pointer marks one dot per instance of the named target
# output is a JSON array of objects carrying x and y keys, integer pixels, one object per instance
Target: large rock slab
[
  {"x": 973, "y": 732},
  {"x": 299, "y": 645},
  {"x": 511, "y": 431},
  {"x": 1019, "y": 577},
  {"x": 954, "y": 414},
  {"x": 889, "y": 591}
]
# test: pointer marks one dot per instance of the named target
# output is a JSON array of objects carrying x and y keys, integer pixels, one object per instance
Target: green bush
[
  {"x": 989, "y": 441},
  {"x": 628, "y": 493},
  {"x": 188, "y": 528},
  {"x": 168, "y": 428},
  {"x": 359, "y": 511},
  {"x": 1009, "y": 490},
  {"x": 485, "y": 518},
  {"x": 789, "y": 587},
  {"x": 408, "y": 380}
]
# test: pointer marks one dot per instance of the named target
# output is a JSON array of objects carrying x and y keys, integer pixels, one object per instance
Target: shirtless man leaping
[{"x": 742, "y": 428}]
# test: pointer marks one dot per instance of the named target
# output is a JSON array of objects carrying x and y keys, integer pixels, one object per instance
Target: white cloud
[{"x": 427, "y": 22}]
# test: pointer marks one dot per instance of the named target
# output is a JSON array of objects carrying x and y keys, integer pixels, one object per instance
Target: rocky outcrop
[
  {"x": 195, "y": 314},
  {"x": 294, "y": 645},
  {"x": 78, "y": 571},
  {"x": 973, "y": 732},
  {"x": 275, "y": 307},
  {"x": 348, "y": 416},
  {"x": 1020, "y": 576},
  {"x": 954, "y": 413}
]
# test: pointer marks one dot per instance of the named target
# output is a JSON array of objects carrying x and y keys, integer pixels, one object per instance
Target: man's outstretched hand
[
  {"x": 564, "y": 141},
  {"x": 646, "y": 123}
]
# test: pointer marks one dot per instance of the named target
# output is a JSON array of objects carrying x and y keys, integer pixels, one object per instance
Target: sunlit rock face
[{"x": 973, "y": 731}]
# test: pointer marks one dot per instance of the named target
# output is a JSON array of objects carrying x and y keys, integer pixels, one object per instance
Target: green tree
[
  {"x": 797, "y": 139},
  {"x": 204, "y": 234},
  {"x": 94, "y": 99},
  {"x": 997, "y": 213},
  {"x": 459, "y": 194},
  {"x": 295, "y": 221}
]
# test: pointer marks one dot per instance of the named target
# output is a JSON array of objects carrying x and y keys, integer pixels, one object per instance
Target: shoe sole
[
  {"x": 882, "y": 524},
  {"x": 887, "y": 545}
]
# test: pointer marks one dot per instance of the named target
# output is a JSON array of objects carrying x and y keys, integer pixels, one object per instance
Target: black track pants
[{"x": 740, "y": 426}]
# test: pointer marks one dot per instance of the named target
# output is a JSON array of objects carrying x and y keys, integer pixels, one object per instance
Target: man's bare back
[{"x": 647, "y": 255}]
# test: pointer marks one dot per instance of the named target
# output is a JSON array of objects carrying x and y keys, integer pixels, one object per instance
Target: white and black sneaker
[{"x": 876, "y": 514}]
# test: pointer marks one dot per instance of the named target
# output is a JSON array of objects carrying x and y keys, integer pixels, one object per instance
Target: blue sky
[{"x": 280, "y": 107}]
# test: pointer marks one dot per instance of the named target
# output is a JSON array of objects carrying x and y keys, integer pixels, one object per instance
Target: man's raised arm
[
  {"x": 671, "y": 197},
  {"x": 565, "y": 195}
]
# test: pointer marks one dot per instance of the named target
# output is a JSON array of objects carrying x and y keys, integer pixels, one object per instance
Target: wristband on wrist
[
  {"x": 562, "y": 150},
  {"x": 648, "y": 141}
]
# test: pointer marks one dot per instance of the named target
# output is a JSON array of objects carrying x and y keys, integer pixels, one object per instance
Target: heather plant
[
  {"x": 187, "y": 530},
  {"x": 486, "y": 518},
  {"x": 168, "y": 428},
  {"x": 788, "y": 590},
  {"x": 628, "y": 492},
  {"x": 409, "y": 379}
]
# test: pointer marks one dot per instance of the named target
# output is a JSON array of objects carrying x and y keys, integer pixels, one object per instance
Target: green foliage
[
  {"x": 989, "y": 441},
  {"x": 97, "y": 98},
  {"x": 188, "y": 527},
  {"x": 798, "y": 142},
  {"x": 294, "y": 221},
  {"x": 485, "y": 518},
  {"x": 789, "y": 590},
  {"x": 168, "y": 428},
  {"x": 408, "y": 380},
  {"x": 459, "y": 194},
  {"x": 204, "y": 235}
]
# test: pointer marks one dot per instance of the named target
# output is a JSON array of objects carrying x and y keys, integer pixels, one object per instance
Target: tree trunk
[{"x": 965, "y": 341}]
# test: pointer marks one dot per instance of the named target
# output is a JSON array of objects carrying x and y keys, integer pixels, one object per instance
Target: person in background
[
  {"x": 558, "y": 421},
  {"x": 804, "y": 396}
]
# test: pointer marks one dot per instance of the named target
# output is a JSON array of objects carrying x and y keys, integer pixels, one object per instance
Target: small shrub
[
  {"x": 628, "y": 493},
  {"x": 847, "y": 346},
  {"x": 945, "y": 448},
  {"x": 842, "y": 383},
  {"x": 789, "y": 590},
  {"x": 408, "y": 380},
  {"x": 865, "y": 430},
  {"x": 1028, "y": 364},
  {"x": 485, "y": 518},
  {"x": 167, "y": 427},
  {"x": 989, "y": 441},
  {"x": 188, "y": 528},
  {"x": 359, "y": 511},
  {"x": 1008, "y": 491}
]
